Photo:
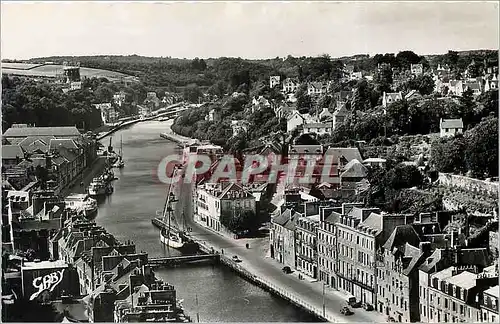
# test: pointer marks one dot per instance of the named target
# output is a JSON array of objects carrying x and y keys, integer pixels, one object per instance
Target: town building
[
  {"x": 212, "y": 200},
  {"x": 339, "y": 116},
  {"x": 213, "y": 115},
  {"x": 152, "y": 100},
  {"x": 12, "y": 155},
  {"x": 413, "y": 95},
  {"x": 290, "y": 85},
  {"x": 397, "y": 273},
  {"x": 317, "y": 128},
  {"x": 375, "y": 162},
  {"x": 451, "y": 127},
  {"x": 437, "y": 268},
  {"x": 119, "y": 98},
  {"x": 282, "y": 237},
  {"x": 239, "y": 126},
  {"x": 316, "y": 88},
  {"x": 327, "y": 250},
  {"x": 361, "y": 232},
  {"x": 306, "y": 247},
  {"x": 294, "y": 120},
  {"x": 325, "y": 114},
  {"x": 274, "y": 80},
  {"x": 417, "y": 69},
  {"x": 491, "y": 84},
  {"x": 489, "y": 305},
  {"x": 390, "y": 98}
]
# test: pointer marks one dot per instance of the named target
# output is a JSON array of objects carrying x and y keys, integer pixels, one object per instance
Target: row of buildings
[
  {"x": 404, "y": 265},
  {"x": 62, "y": 152}
]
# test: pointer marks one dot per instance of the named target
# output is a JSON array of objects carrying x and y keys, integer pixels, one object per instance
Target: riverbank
[
  {"x": 170, "y": 135},
  {"x": 86, "y": 177}
]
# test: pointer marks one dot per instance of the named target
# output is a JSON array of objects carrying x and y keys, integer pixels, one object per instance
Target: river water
[{"x": 127, "y": 213}]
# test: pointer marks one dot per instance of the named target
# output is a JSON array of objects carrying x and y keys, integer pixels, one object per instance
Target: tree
[
  {"x": 481, "y": 153},
  {"x": 240, "y": 220},
  {"x": 467, "y": 107},
  {"x": 423, "y": 83},
  {"x": 405, "y": 58},
  {"x": 192, "y": 93},
  {"x": 404, "y": 176},
  {"x": 303, "y": 99},
  {"x": 448, "y": 155},
  {"x": 398, "y": 117}
]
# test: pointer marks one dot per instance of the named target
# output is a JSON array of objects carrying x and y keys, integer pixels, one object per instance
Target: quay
[
  {"x": 235, "y": 266},
  {"x": 179, "y": 260}
]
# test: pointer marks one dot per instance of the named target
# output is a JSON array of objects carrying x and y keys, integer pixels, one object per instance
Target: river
[{"x": 127, "y": 213}]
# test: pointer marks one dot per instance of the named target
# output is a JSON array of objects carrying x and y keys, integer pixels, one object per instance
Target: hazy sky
[{"x": 248, "y": 30}]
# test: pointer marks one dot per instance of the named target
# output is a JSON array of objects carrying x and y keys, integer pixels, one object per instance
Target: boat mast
[{"x": 121, "y": 147}]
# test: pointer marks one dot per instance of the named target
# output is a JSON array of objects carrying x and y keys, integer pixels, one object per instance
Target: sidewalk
[{"x": 269, "y": 272}]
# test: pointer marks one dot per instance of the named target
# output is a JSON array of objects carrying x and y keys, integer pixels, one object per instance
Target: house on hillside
[
  {"x": 12, "y": 155},
  {"x": 339, "y": 116},
  {"x": 294, "y": 120},
  {"x": 413, "y": 95},
  {"x": 356, "y": 76},
  {"x": 259, "y": 102},
  {"x": 283, "y": 110},
  {"x": 316, "y": 88},
  {"x": 451, "y": 127},
  {"x": 342, "y": 96},
  {"x": 119, "y": 98},
  {"x": 391, "y": 97},
  {"x": 152, "y": 100},
  {"x": 317, "y": 128},
  {"x": 417, "y": 69},
  {"x": 325, "y": 114},
  {"x": 274, "y": 80},
  {"x": 290, "y": 85},
  {"x": 491, "y": 84},
  {"x": 239, "y": 126},
  {"x": 213, "y": 115}
]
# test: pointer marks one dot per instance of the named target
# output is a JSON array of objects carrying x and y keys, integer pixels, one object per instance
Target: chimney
[{"x": 425, "y": 247}]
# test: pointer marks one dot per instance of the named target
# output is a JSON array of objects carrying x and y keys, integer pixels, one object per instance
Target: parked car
[
  {"x": 351, "y": 301},
  {"x": 236, "y": 259},
  {"x": 286, "y": 270},
  {"x": 368, "y": 307},
  {"x": 346, "y": 311}
]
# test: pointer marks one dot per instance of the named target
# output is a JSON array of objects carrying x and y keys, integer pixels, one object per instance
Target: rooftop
[
  {"x": 42, "y": 131},
  {"x": 452, "y": 123},
  {"x": 493, "y": 291},
  {"x": 11, "y": 152},
  {"x": 44, "y": 265},
  {"x": 466, "y": 280}
]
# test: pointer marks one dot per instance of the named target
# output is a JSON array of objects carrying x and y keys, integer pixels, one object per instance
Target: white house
[
  {"x": 294, "y": 120},
  {"x": 239, "y": 126},
  {"x": 108, "y": 113},
  {"x": 260, "y": 102},
  {"x": 290, "y": 85},
  {"x": 316, "y": 88},
  {"x": 75, "y": 85},
  {"x": 215, "y": 199},
  {"x": 391, "y": 97},
  {"x": 119, "y": 98},
  {"x": 283, "y": 110},
  {"x": 317, "y": 128},
  {"x": 417, "y": 69},
  {"x": 491, "y": 84},
  {"x": 213, "y": 115},
  {"x": 339, "y": 116},
  {"x": 451, "y": 127},
  {"x": 274, "y": 80},
  {"x": 356, "y": 76}
]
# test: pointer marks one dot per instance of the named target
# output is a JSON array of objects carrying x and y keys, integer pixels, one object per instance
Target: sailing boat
[
  {"x": 120, "y": 164},
  {"x": 172, "y": 236}
]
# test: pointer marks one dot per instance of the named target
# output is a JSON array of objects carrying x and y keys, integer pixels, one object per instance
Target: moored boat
[{"x": 81, "y": 203}]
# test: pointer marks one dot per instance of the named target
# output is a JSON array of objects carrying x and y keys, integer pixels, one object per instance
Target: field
[{"x": 52, "y": 70}]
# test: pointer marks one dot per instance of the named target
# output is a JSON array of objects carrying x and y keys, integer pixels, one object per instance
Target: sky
[{"x": 247, "y": 30}]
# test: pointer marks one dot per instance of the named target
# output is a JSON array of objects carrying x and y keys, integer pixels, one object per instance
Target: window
[
  {"x": 446, "y": 303},
  {"x": 454, "y": 306},
  {"x": 462, "y": 312}
]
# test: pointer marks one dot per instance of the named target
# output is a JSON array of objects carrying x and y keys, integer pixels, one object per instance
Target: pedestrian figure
[
  {"x": 247, "y": 245},
  {"x": 222, "y": 251}
]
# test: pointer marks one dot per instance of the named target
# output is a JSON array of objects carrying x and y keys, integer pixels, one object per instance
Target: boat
[
  {"x": 108, "y": 175},
  {"x": 171, "y": 235},
  {"x": 120, "y": 164},
  {"x": 81, "y": 203},
  {"x": 100, "y": 186}
]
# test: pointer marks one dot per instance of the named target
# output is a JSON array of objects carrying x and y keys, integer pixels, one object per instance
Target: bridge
[{"x": 179, "y": 260}]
